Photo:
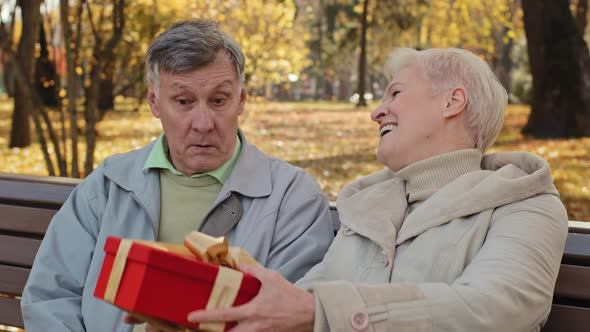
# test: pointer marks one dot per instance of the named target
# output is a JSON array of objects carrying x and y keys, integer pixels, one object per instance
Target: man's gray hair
[
  {"x": 450, "y": 68},
  {"x": 189, "y": 45}
]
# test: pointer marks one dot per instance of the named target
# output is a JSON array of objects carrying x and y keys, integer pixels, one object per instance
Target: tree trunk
[
  {"x": 504, "y": 63},
  {"x": 560, "y": 66},
  {"x": 363, "y": 57},
  {"x": 72, "y": 54},
  {"x": 103, "y": 54},
  {"x": 23, "y": 84},
  {"x": 329, "y": 87},
  {"x": 92, "y": 95},
  {"x": 319, "y": 87},
  {"x": 46, "y": 80},
  {"x": 20, "y": 135},
  {"x": 504, "y": 54},
  {"x": 344, "y": 86},
  {"x": 8, "y": 33},
  {"x": 8, "y": 78},
  {"x": 582, "y": 15},
  {"x": 106, "y": 101}
]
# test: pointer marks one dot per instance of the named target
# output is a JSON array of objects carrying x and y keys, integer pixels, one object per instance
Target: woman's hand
[{"x": 279, "y": 306}]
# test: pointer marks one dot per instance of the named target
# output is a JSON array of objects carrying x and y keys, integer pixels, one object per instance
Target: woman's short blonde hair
[{"x": 450, "y": 68}]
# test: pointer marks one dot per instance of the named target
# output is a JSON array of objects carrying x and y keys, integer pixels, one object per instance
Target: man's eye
[
  {"x": 395, "y": 93},
  {"x": 182, "y": 101},
  {"x": 218, "y": 101}
]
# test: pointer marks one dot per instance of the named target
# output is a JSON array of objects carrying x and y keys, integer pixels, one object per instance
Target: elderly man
[{"x": 201, "y": 173}]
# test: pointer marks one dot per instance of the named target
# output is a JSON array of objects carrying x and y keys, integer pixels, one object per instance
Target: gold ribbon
[
  {"x": 117, "y": 270},
  {"x": 224, "y": 293}
]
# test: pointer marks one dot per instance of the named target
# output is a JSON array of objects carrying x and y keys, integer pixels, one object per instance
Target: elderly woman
[{"x": 445, "y": 238}]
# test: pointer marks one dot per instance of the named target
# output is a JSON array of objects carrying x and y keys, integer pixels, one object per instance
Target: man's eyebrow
[
  {"x": 224, "y": 83},
  {"x": 178, "y": 85}
]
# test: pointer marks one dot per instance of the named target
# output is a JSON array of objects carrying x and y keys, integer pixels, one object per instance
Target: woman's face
[{"x": 410, "y": 118}]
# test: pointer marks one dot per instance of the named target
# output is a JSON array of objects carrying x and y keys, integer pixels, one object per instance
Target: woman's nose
[{"x": 378, "y": 113}]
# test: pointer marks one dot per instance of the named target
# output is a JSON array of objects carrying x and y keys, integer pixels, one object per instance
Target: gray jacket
[{"x": 284, "y": 223}]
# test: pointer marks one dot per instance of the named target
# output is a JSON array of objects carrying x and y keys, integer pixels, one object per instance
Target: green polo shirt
[
  {"x": 184, "y": 201},
  {"x": 158, "y": 158}
]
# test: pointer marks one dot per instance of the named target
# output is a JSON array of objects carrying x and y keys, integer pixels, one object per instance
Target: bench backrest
[{"x": 27, "y": 204}]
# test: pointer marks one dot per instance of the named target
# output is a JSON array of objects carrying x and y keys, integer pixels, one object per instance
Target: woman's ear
[{"x": 456, "y": 102}]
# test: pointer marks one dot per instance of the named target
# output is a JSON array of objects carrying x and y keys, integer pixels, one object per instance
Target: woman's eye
[{"x": 182, "y": 101}]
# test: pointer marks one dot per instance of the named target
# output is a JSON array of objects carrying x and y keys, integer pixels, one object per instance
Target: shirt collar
[{"x": 158, "y": 158}]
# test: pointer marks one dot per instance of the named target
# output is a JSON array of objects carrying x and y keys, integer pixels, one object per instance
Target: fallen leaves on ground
[{"x": 336, "y": 143}]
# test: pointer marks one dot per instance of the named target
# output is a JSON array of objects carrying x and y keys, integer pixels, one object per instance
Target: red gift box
[{"x": 151, "y": 281}]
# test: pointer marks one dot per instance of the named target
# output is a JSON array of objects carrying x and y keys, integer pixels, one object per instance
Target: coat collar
[
  {"x": 506, "y": 177},
  {"x": 375, "y": 206}
]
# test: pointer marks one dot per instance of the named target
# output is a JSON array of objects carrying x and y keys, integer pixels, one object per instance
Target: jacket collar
[
  {"x": 251, "y": 176},
  {"x": 126, "y": 171}
]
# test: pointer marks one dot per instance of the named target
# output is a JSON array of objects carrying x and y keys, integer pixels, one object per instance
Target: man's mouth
[
  {"x": 201, "y": 146},
  {"x": 387, "y": 128}
]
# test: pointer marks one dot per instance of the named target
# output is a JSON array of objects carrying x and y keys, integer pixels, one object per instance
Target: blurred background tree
[
  {"x": 560, "y": 66},
  {"x": 66, "y": 63}
]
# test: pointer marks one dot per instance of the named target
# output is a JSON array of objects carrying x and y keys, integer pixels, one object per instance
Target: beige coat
[{"x": 481, "y": 253}]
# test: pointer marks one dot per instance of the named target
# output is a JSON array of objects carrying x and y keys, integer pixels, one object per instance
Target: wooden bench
[{"x": 27, "y": 204}]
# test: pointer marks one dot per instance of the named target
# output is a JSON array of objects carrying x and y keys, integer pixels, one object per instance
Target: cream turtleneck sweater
[{"x": 425, "y": 177}]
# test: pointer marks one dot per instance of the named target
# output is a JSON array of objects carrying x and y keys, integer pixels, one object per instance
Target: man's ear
[
  {"x": 151, "y": 99},
  {"x": 456, "y": 102},
  {"x": 243, "y": 97}
]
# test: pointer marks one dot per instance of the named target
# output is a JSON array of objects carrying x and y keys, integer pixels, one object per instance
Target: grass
[{"x": 335, "y": 143}]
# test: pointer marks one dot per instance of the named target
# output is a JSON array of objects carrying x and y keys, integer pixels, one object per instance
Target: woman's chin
[{"x": 387, "y": 160}]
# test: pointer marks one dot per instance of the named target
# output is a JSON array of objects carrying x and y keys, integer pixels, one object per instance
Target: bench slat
[
  {"x": 18, "y": 250},
  {"x": 577, "y": 250},
  {"x": 37, "y": 194},
  {"x": 23, "y": 219},
  {"x": 10, "y": 313},
  {"x": 572, "y": 282},
  {"x": 13, "y": 279},
  {"x": 567, "y": 318}
]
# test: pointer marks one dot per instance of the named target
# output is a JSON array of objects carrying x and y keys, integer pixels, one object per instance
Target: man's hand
[{"x": 279, "y": 306}]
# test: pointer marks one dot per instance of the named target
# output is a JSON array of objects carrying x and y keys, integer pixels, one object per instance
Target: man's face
[{"x": 199, "y": 113}]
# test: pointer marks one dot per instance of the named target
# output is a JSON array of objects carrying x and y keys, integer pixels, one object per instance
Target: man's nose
[{"x": 202, "y": 118}]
